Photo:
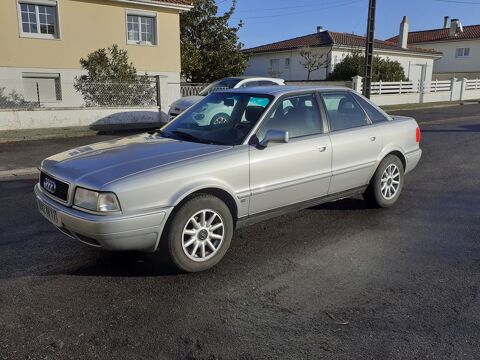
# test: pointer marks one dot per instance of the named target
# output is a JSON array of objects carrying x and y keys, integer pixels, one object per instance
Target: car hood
[
  {"x": 186, "y": 102},
  {"x": 98, "y": 164}
]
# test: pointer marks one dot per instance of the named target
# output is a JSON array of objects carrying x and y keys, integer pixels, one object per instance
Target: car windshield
[
  {"x": 220, "y": 118},
  {"x": 223, "y": 84}
]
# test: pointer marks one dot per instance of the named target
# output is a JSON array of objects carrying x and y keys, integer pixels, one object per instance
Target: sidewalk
[{"x": 22, "y": 158}]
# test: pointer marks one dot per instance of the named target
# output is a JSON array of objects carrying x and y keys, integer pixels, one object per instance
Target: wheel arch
[
  {"x": 393, "y": 151},
  {"x": 218, "y": 192},
  {"x": 398, "y": 154}
]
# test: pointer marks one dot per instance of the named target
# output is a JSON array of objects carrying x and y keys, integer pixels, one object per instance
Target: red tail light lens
[{"x": 418, "y": 135}]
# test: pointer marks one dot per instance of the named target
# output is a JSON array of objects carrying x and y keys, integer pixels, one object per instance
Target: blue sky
[{"x": 267, "y": 21}]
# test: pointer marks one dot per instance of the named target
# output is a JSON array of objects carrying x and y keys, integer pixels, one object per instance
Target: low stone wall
[
  {"x": 61, "y": 117},
  {"x": 418, "y": 98}
]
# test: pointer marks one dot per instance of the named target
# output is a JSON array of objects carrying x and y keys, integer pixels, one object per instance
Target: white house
[
  {"x": 283, "y": 59},
  {"x": 459, "y": 44}
]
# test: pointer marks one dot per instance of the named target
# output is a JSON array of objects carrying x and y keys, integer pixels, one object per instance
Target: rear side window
[
  {"x": 267, "y": 83},
  {"x": 374, "y": 114},
  {"x": 251, "y": 84},
  {"x": 343, "y": 111}
]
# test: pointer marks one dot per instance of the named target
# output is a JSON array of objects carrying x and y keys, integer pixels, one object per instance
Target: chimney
[
  {"x": 403, "y": 34},
  {"x": 453, "y": 27},
  {"x": 319, "y": 29},
  {"x": 445, "y": 21}
]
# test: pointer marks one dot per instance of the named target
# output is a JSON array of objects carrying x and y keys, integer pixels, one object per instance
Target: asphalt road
[{"x": 338, "y": 281}]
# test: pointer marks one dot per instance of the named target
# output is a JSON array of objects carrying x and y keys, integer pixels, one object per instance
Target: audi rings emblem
[{"x": 49, "y": 185}]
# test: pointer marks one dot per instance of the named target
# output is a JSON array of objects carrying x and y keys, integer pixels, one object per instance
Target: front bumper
[{"x": 111, "y": 232}]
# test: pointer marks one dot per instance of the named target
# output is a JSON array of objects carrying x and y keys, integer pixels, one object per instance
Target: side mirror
[{"x": 276, "y": 136}]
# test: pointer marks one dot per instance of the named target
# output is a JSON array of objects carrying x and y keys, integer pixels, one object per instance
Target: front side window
[
  {"x": 220, "y": 118},
  {"x": 250, "y": 84},
  {"x": 141, "y": 29},
  {"x": 298, "y": 115},
  {"x": 38, "y": 20},
  {"x": 343, "y": 111}
]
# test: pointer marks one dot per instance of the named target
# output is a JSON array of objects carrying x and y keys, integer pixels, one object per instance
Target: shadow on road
[
  {"x": 345, "y": 204},
  {"x": 463, "y": 129},
  {"x": 125, "y": 264}
]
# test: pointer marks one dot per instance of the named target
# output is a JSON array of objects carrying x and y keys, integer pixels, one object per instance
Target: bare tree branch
[{"x": 314, "y": 59}]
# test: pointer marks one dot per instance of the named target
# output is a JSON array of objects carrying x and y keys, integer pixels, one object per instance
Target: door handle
[
  {"x": 322, "y": 148},
  {"x": 373, "y": 138}
]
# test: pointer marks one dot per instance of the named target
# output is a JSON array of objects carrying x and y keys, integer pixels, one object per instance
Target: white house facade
[
  {"x": 283, "y": 59},
  {"x": 459, "y": 44}
]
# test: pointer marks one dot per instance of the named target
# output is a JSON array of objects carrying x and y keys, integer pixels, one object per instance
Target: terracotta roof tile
[
  {"x": 328, "y": 38},
  {"x": 469, "y": 32},
  {"x": 176, "y": 2}
]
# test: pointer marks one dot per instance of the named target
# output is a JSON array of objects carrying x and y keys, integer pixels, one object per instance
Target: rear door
[
  {"x": 356, "y": 143},
  {"x": 289, "y": 173}
]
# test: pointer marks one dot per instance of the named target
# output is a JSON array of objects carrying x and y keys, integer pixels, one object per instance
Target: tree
[
  {"x": 353, "y": 64},
  {"x": 210, "y": 48},
  {"x": 112, "y": 80},
  {"x": 313, "y": 59}
]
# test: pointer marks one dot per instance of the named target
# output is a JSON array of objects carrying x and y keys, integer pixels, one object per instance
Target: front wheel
[
  {"x": 200, "y": 233},
  {"x": 386, "y": 184}
]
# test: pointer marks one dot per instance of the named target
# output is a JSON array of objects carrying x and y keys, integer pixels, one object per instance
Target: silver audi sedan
[{"x": 184, "y": 189}]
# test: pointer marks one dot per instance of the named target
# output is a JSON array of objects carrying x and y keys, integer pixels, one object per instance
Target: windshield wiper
[
  {"x": 188, "y": 136},
  {"x": 158, "y": 132}
]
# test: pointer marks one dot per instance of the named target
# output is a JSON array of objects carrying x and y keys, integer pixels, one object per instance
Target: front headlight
[{"x": 96, "y": 201}]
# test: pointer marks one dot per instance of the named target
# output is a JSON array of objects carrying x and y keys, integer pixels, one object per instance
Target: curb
[
  {"x": 19, "y": 173},
  {"x": 422, "y": 106},
  {"x": 74, "y": 132}
]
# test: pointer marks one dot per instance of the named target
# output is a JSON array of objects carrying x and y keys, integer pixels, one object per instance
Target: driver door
[{"x": 283, "y": 174}]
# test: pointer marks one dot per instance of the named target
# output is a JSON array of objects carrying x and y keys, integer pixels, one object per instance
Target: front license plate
[{"x": 49, "y": 213}]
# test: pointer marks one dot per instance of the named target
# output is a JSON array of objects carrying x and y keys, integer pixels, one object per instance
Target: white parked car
[{"x": 239, "y": 82}]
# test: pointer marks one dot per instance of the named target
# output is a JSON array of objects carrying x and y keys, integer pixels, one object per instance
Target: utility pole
[{"x": 369, "y": 48}]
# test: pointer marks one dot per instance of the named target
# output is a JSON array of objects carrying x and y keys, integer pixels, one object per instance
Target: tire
[
  {"x": 383, "y": 190},
  {"x": 182, "y": 236}
]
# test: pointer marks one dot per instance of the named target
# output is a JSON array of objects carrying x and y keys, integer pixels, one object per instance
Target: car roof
[
  {"x": 252, "y": 78},
  {"x": 282, "y": 90}
]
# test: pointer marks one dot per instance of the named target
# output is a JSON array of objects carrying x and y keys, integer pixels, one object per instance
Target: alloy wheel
[
  {"x": 203, "y": 235},
  {"x": 390, "y": 182}
]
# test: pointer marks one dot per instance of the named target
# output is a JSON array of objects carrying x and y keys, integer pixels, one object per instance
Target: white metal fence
[
  {"x": 408, "y": 87},
  {"x": 438, "y": 85},
  {"x": 192, "y": 89},
  {"x": 400, "y": 87},
  {"x": 473, "y": 84}
]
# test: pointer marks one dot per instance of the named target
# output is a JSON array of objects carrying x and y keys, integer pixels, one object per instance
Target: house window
[
  {"x": 463, "y": 52},
  {"x": 45, "y": 86},
  {"x": 141, "y": 29},
  {"x": 38, "y": 19},
  {"x": 287, "y": 63}
]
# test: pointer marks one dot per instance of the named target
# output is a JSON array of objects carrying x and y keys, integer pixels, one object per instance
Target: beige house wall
[{"x": 84, "y": 26}]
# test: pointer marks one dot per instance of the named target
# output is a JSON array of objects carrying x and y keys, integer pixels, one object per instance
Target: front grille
[{"x": 54, "y": 187}]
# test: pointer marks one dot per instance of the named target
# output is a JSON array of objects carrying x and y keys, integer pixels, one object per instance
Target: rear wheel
[
  {"x": 386, "y": 184},
  {"x": 199, "y": 234}
]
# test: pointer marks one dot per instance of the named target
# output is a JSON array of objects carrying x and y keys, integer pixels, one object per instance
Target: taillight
[{"x": 418, "y": 135}]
